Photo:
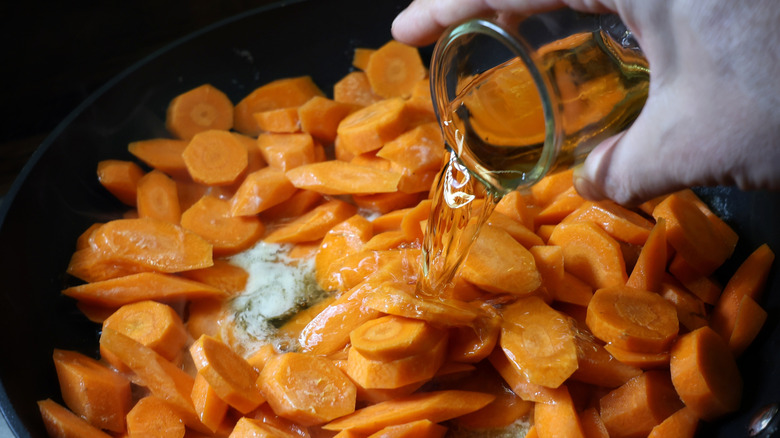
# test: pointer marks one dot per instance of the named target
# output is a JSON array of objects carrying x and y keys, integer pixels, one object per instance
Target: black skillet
[{"x": 57, "y": 195}]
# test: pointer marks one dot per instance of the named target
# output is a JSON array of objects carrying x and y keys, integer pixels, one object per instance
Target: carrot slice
[
  {"x": 703, "y": 286},
  {"x": 91, "y": 390},
  {"x": 515, "y": 205},
  {"x": 211, "y": 219},
  {"x": 632, "y": 319},
  {"x": 230, "y": 375},
  {"x": 590, "y": 254},
  {"x": 314, "y": 224},
  {"x": 633, "y": 409},
  {"x": 360, "y": 57},
  {"x": 321, "y": 116},
  {"x": 62, "y": 423},
  {"x": 434, "y": 406},
  {"x": 197, "y": 110},
  {"x": 355, "y": 89},
  {"x": 341, "y": 178},
  {"x": 158, "y": 197},
  {"x": 522, "y": 234},
  {"x": 342, "y": 240},
  {"x": 163, "y": 154},
  {"x": 421, "y": 148},
  {"x": 286, "y": 151},
  {"x": 215, "y": 158},
  {"x": 592, "y": 425},
  {"x": 472, "y": 344},
  {"x": 644, "y": 361},
  {"x": 281, "y": 93},
  {"x": 307, "y": 389},
  {"x": 596, "y": 364},
  {"x": 517, "y": 380},
  {"x": 278, "y": 120},
  {"x": 90, "y": 264},
  {"x": 383, "y": 203},
  {"x": 681, "y": 424},
  {"x": 558, "y": 418},
  {"x": 369, "y": 128},
  {"x": 564, "y": 205},
  {"x": 691, "y": 310},
  {"x": 120, "y": 178},
  {"x": 251, "y": 427},
  {"x": 747, "y": 324},
  {"x": 260, "y": 191},
  {"x": 540, "y": 341},
  {"x": 552, "y": 185},
  {"x": 223, "y": 275},
  {"x": 414, "y": 429},
  {"x": 296, "y": 205},
  {"x": 210, "y": 408},
  {"x": 705, "y": 374},
  {"x": 152, "y": 416},
  {"x": 649, "y": 269},
  {"x": 394, "y": 69},
  {"x": 139, "y": 287},
  {"x": 621, "y": 223}
]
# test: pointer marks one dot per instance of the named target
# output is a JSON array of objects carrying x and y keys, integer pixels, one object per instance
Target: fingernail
[{"x": 585, "y": 186}]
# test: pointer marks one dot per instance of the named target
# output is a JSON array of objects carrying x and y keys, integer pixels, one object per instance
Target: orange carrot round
[
  {"x": 210, "y": 218},
  {"x": 153, "y": 324},
  {"x": 198, "y": 110},
  {"x": 152, "y": 416},
  {"x": 215, "y": 158},
  {"x": 394, "y": 69}
]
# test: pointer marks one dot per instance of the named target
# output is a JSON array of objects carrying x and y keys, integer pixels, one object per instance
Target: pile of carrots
[{"x": 571, "y": 317}]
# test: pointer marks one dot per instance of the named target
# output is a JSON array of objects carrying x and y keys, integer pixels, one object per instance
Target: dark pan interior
[{"x": 58, "y": 196}]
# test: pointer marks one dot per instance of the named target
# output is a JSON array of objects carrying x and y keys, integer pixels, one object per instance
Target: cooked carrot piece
[
  {"x": 360, "y": 57},
  {"x": 549, "y": 262},
  {"x": 505, "y": 409},
  {"x": 307, "y": 389},
  {"x": 590, "y": 254},
  {"x": 558, "y": 418},
  {"x": 703, "y": 286},
  {"x": 281, "y": 93},
  {"x": 748, "y": 280},
  {"x": 139, "y": 287},
  {"x": 705, "y": 374},
  {"x": 321, "y": 116},
  {"x": 515, "y": 205},
  {"x": 215, "y": 158},
  {"x": 120, "y": 178},
  {"x": 522, "y": 234},
  {"x": 259, "y": 358},
  {"x": 355, "y": 89},
  {"x": 314, "y": 224},
  {"x": 434, "y": 406},
  {"x": 211, "y": 219},
  {"x": 725, "y": 233},
  {"x": 632, "y": 319},
  {"x": 62, "y": 423},
  {"x": 260, "y": 191},
  {"x": 393, "y": 337},
  {"x": 394, "y": 69},
  {"x": 747, "y": 324},
  {"x": 340, "y": 178},
  {"x": 421, "y": 148},
  {"x": 90, "y": 264},
  {"x": 230, "y": 375},
  {"x": 278, "y": 120},
  {"x": 414, "y": 429},
  {"x": 158, "y": 198},
  {"x": 498, "y": 264},
  {"x": 692, "y": 235},
  {"x": 517, "y": 380},
  {"x": 420, "y": 104},
  {"x": 559, "y": 208},
  {"x": 549, "y": 187},
  {"x": 342, "y": 240},
  {"x": 620, "y": 222},
  {"x": 91, "y": 390},
  {"x": 163, "y": 154},
  {"x": 286, "y": 151},
  {"x": 198, "y": 110},
  {"x": 369, "y": 128},
  {"x": 167, "y": 247},
  {"x": 223, "y": 275},
  {"x": 681, "y": 424},
  {"x": 152, "y": 416},
  {"x": 250, "y": 427},
  {"x": 296, "y": 205},
  {"x": 597, "y": 366},
  {"x": 540, "y": 341},
  {"x": 691, "y": 310},
  {"x": 645, "y": 361},
  {"x": 204, "y": 317},
  {"x": 633, "y": 409},
  {"x": 649, "y": 269},
  {"x": 414, "y": 181},
  {"x": 210, "y": 408},
  {"x": 383, "y": 203}
]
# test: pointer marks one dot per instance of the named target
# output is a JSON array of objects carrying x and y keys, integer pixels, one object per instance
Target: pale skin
[{"x": 713, "y": 112}]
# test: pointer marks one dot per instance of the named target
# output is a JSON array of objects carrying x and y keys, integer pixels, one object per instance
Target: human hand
[{"x": 712, "y": 116}]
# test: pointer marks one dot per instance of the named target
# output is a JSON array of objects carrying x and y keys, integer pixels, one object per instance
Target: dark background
[{"x": 55, "y": 53}]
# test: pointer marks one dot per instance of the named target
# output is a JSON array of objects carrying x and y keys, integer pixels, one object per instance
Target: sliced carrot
[
  {"x": 691, "y": 310},
  {"x": 705, "y": 374},
  {"x": 421, "y": 148},
  {"x": 632, "y": 319},
  {"x": 230, "y": 375},
  {"x": 703, "y": 286},
  {"x": 83, "y": 239},
  {"x": 340, "y": 178},
  {"x": 210, "y": 408},
  {"x": 558, "y": 418},
  {"x": 592, "y": 426},
  {"x": 394, "y": 69},
  {"x": 355, "y": 89},
  {"x": 320, "y": 117},
  {"x": 383, "y": 203},
  {"x": 681, "y": 424},
  {"x": 347, "y": 272},
  {"x": 434, "y": 406},
  {"x": 152, "y": 416},
  {"x": 540, "y": 341},
  {"x": 596, "y": 365},
  {"x": 645, "y": 361},
  {"x": 286, "y": 151},
  {"x": 296, "y": 205},
  {"x": 163, "y": 154},
  {"x": 515, "y": 205},
  {"x": 340, "y": 241},
  {"x": 91, "y": 390},
  {"x": 420, "y": 104},
  {"x": 369, "y": 128},
  {"x": 517, "y": 380},
  {"x": 314, "y": 224},
  {"x": 498, "y": 264},
  {"x": 573, "y": 290},
  {"x": 650, "y": 267},
  {"x": 307, "y": 389},
  {"x": 158, "y": 197},
  {"x": 472, "y": 344},
  {"x": 250, "y": 427},
  {"x": 414, "y": 181},
  {"x": 211, "y": 219},
  {"x": 414, "y": 429},
  {"x": 139, "y": 287},
  {"x": 549, "y": 262},
  {"x": 204, "y": 317},
  {"x": 747, "y": 324},
  {"x": 62, "y": 423},
  {"x": 552, "y": 185},
  {"x": 278, "y": 120},
  {"x": 393, "y": 337},
  {"x": 189, "y": 192},
  {"x": 564, "y": 205},
  {"x": 281, "y": 93},
  {"x": 215, "y": 158},
  {"x": 90, "y": 264},
  {"x": 748, "y": 280},
  {"x": 197, "y": 110},
  {"x": 261, "y": 190},
  {"x": 590, "y": 254},
  {"x": 692, "y": 235},
  {"x": 725, "y": 233},
  {"x": 633, "y": 409},
  {"x": 120, "y": 178},
  {"x": 522, "y": 234},
  {"x": 620, "y": 222},
  {"x": 360, "y": 57},
  {"x": 259, "y": 358},
  {"x": 223, "y": 275}
]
